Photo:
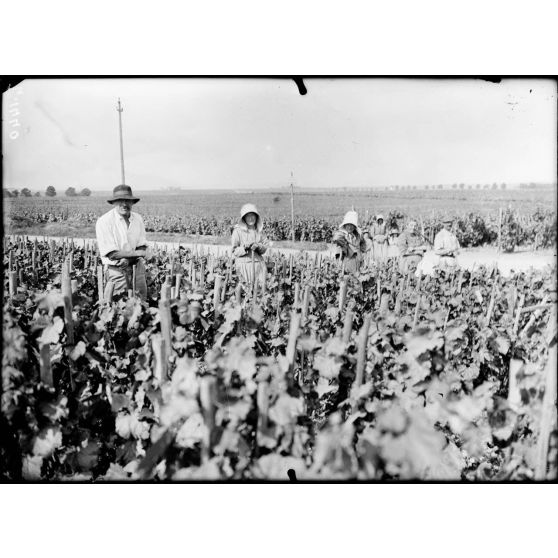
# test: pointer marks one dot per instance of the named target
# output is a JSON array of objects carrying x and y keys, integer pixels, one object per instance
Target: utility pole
[
  {"x": 292, "y": 209},
  {"x": 120, "y": 109}
]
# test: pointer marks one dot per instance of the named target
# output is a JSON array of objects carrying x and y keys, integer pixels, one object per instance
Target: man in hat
[
  {"x": 446, "y": 245},
  {"x": 122, "y": 243},
  {"x": 411, "y": 248}
]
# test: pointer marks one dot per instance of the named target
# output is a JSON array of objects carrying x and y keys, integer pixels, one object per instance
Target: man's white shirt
[
  {"x": 446, "y": 240},
  {"x": 113, "y": 234}
]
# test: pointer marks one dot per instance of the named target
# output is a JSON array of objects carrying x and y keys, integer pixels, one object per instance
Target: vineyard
[
  {"x": 535, "y": 228},
  {"x": 375, "y": 377}
]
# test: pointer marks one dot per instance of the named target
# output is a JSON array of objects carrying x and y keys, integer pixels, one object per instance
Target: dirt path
[{"x": 521, "y": 260}]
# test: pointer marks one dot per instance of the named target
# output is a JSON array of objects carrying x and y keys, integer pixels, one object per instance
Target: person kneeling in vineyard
[
  {"x": 122, "y": 243},
  {"x": 411, "y": 248},
  {"x": 446, "y": 246},
  {"x": 249, "y": 244},
  {"x": 350, "y": 242}
]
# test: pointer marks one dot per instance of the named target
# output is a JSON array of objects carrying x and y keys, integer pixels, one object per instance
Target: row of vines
[{"x": 382, "y": 376}]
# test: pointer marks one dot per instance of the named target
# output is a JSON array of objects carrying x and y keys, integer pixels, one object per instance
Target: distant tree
[
  {"x": 15, "y": 193},
  {"x": 50, "y": 192},
  {"x": 427, "y": 187},
  {"x": 85, "y": 192},
  {"x": 478, "y": 186},
  {"x": 6, "y": 193},
  {"x": 415, "y": 187},
  {"x": 396, "y": 187},
  {"x": 462, "y": 186},
  {"x": 486, "y": 187},
  {"x": 26, "y": 192},
  {"x": 454, "y": 186},
  {"x": 37, "y": 194},
  {"x": 503, "y": 186},
  {"x": 494, "y": 186},
  {"x": 440, "y": 187},
  {"x": 71, "y": 191},
  {"x": 470, "y": 186}
]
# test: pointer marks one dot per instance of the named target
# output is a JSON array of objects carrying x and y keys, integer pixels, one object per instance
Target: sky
[{"x": 252, "y": 133}]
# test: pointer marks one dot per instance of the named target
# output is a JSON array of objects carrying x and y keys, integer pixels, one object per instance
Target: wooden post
[
  {"x": 347, "y": 326},
  {"x": 238, "y": 293},
  {"x": 379, "y": 290},
  {"x": 384, "y": 304},
  {"x": 74, "y": 285},
  {"x": 166, "y": 326},
  {"x": 499, "y": 230},
  {"x": 490, "y": 305},
  {"x": 100, "y": 286},
  {"x": 263, "y": 408},
  {"x": 518, "y": 313},
  {"x": 11, "y": 264},
  {"x": 134, "y": 271},
  {"x": 296, "y": 297},
  {"x": 361, "y": 351},
  {"x": 177, "y": 285},
  {"x": 160, "y": 367},
  {"x": 548, "y": 416},
  {"x": 13, "y": 283},
  {"x": 46, "y": 369},
  {"x": 51, "y": 251},
  {"x": 305, "y": 302},
  {"x": 264, "y": 278},
  {"x": 342, "y": 295},
  {"x": 417, "y": 310},
  {"x": 514, "y": 397},
  {"x": 217, "y": 294},
  {"x": 293, "y": 335},
  {"x": 290, "y": 267},
  {"x": 67, "y": 295},
  {"x": 208, "y": 388}
]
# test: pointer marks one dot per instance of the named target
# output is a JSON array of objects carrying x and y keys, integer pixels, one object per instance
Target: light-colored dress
[
  {"x": 248, "y": 261},
  {"x": 378, "y": 234},
  {"x": 446, "y": 240}
]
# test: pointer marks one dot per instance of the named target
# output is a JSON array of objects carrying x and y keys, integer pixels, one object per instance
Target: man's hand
[{"x": 123, "y": 263}]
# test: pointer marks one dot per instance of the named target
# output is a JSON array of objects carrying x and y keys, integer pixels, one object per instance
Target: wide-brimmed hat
[
  {"x": 447, "y": 219},
  {"x": 351, "y": 218},
  {"x": 251, "y": 208},
  {"x": 123, "y": 192},
  {"x": 378, "y": 217}
]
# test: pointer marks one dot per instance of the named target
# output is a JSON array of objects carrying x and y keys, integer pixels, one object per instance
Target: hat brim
[{"x": 128, "y": 198}]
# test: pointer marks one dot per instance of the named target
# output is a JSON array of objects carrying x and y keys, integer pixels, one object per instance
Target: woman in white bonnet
[
  {"x": 350, "y": 242},
  {"x": 249, "y": 244}
]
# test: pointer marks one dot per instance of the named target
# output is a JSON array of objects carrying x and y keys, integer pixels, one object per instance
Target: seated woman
[
  {"x": 350, "y": 242},
  {"x": 248, "y": 244}
]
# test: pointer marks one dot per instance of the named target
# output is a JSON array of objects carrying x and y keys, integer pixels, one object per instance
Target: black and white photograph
[{"x": 290, "y": 278}]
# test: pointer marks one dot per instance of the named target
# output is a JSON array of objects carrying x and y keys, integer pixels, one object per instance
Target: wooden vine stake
[
  {"x": 100, "y": 286},
  {"x": 263, "y": 409},
  {"x": 499, "y": 230},
  {"x": 514, "y": 397},
  {"x": 160, "y": 368},
  {"x": 217, "y": 294},
  {"x": 166, "y": 327},
  {"x": 134, "y": 274},
  {"x": 548, "y": 417},
  {"x": 361, "y": 351},
  {"x": 417, "y": 310},
  {"x": 347, "y": 326},
  {"x": 109, "y": 292},
  {"x": 208, "y": 395},
  {"x": 238, "y": 293},
  {"x": 293, "y": 335},
  {"x": 342, "y": 295},
  {"x": 518, "y": 313},
  {"x": 13, "y": 283},
  {"x": 490, "y": 305},
  {"x": 67, "y": 295},
  {"x": 46, "y": 368},
  {"x": 296, "y": 296},
  {"x": 177, "y": 284},
  {"x": 305, "y": 302}
]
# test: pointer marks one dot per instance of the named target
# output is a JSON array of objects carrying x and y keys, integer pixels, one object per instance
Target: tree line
[{"x": 49, "y": 192}]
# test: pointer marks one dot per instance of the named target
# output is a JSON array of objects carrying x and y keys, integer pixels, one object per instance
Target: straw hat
[{"x": 123, "y": 192}]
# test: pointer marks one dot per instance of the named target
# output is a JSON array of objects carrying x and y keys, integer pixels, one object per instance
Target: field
[
  {"x": 381, "y": 376},
  {"x": 211, "y": 214}
]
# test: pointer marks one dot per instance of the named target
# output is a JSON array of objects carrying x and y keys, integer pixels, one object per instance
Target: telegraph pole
[
  {"x": 120, "y": 109},
  {"x": 292, "y": 209}
]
